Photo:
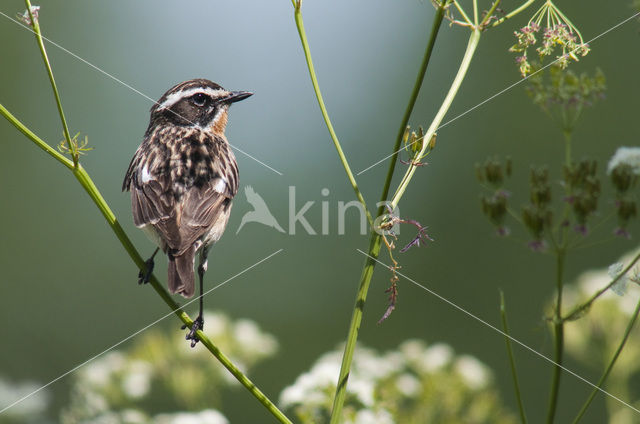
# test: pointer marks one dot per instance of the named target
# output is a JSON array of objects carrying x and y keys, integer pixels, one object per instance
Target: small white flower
[
  {"x": 208, "y": 416},
  {"x": 362, "y": 389},
  {"x": 367, "y": 416},
  {"x": 216, "y": 324},
  {"x": 413, "y": 349},
  {"x": 436, "y": 357},
  {"x": 137, "y": 381},
  {"x": 408, "y": 385},
  {"x": 308, "y": 387},
  {"x": 620, "y": 286},
  {"x": 628, "y": 156},
  {"x": 474, "y": 372},
  {"x": 33, "y": 405},
  {"x": 94, "y": 402},
  {"x": 99, "y": 372},
  {"x": 369, "y": 364},
  {"x": 251, "y": 339},
  {"x": 133, "y": 416}
]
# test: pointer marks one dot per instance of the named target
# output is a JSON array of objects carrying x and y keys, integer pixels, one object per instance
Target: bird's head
[{"x": 197, "y": 102}]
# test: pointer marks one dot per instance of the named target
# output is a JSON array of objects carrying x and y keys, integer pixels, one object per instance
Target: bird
[
  {"x": 260, "y": 212},
  {"x": 183, "y": 178}
]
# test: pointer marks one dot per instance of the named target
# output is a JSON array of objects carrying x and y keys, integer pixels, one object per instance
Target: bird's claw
[
  {"x": 145, "y": 276},
  {"x": 198, "y": 324}
]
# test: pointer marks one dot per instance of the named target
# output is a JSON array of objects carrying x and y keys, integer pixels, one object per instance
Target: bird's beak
[{"x": 236, "y": 96}]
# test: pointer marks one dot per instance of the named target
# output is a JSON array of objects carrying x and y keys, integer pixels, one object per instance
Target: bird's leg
[
  {"x": 144, "y": 276},
  {"x": 198, "y": 323}
]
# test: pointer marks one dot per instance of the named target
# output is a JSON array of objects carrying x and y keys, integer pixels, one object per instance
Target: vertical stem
[
  {"x": 475, "y": 13},
  {"x": 558, "y": 341},
  {"x": 512, "y": 360},
  {"x": 437, "y": 21},
  {"x": 567, "y": 148},
  {"x": 36, "y": 29},
  {"x": 627, "y": 332},
  {"x": 375, "y": 240},
  {"x": 375, "y": 243}
]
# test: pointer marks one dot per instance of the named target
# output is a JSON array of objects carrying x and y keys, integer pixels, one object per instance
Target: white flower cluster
[
  {"x": 594, "y": 337},
  {"x": 128, "y": 386},
  {"x": 32, "y": 407},
  {"x": 625, "y": 156},
  {"x": 416, "y": 383}
]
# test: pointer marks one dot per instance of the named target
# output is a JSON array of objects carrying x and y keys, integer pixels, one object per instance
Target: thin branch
[
  {"x": 578, "y": 310},
  {"x": 446, "y": 104},
  {"x": 513, "y": 13},
  {"x": 463, "y": 13},
  {"x": 36, "y": 29},
  {"x": 87, "y": 184},
  {"x": 323, "y": 109}
]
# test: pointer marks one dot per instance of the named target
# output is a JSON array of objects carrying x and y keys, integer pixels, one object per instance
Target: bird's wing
[{"x": 181, "y": 220}]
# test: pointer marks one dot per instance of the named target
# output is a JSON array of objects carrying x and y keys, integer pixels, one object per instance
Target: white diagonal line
[
  {"x": 127, "y": 85},
  {"x": 500, "y": 92},
  {"x": 461, "y": 309},
  {"x": 137, "y": 332}
]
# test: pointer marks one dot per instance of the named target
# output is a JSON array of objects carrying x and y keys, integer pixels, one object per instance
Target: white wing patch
[
  {"x": 146, "y": 176},
  {"x": 220, "y": 186}
]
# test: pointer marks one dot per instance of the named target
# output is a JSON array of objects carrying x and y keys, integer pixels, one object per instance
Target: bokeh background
[{"x": 69, "y": 290}]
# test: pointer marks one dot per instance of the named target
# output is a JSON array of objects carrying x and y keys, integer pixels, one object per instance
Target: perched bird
[
  {"x": 182, "y": 179},
  {"x": 260, "y": 212}
]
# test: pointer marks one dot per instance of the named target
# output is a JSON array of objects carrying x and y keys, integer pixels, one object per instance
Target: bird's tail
[{"x": 181, "y": 276}]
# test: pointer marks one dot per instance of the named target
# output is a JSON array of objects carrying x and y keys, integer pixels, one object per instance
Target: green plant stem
[
  {"x": 446, "y": 104},
  {"x": 325, "y": 114},
  {"x": 463, "y": 13},
  {"x": 512, "y": 360},
  {"x": 578, "y": 310},
  {"x": 487, "y": 17},
  {"x": 375, "y": 240},
  {"x": 567, "y": 148},
  {"x": 475, "y": 12},
  {"x": 36, "y": 29},
  {"x": 612, "y": 362},
  {"x": 435, "y": 27},
  {"x": 513, "y": 13},
  {"x": 87, "y": 184},
  {"x": 558, "y": 342}
]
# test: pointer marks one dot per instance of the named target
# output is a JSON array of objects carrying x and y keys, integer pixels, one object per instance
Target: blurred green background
[{"x": 69, "y": 289}]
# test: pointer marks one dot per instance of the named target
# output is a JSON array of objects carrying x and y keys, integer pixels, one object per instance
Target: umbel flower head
[
  {"x": 559, "y": 37},
  {"x": 416, "y": 383},
  {"x": 160, "y": 380}
]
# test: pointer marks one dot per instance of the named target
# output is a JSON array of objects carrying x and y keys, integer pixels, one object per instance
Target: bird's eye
[{"x": 199, "y": 99}]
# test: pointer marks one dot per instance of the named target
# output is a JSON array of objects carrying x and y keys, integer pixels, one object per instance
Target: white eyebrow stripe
[{"x": 174, "y": 97}]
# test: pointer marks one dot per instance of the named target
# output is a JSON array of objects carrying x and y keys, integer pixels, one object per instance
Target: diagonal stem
[
  {"x": 88, "y": 185},
  {"x": 606, "y": 373},
  {"x": 323, "y": 109},
  {"x": 474, "y": 39},
  {"x": 580, "y": 309}
]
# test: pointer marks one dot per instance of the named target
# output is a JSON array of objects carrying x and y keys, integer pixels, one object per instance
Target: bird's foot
[
  {"x": 145, "y": 276},
  {"x": 198, "y": 324}
]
